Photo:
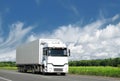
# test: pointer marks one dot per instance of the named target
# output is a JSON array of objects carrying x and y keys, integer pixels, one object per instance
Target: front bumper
[{"x": 50, "y": 68}]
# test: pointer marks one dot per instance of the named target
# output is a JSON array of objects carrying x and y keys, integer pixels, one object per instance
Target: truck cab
[{"x": 55, "y": 58}]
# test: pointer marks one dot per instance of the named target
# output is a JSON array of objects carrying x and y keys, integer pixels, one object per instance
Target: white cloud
[
  {"x": 16, "y": 33},
  {"x": 32, "y": 37},
  {"x": 111, "y": 31},
  {"x": 8, "y": 56},
  {"x": 93, "y": 41},
  {"x": 116, "y": 17},
  {"x": 15, "y": 37},
  {"x": 70, "y": 6},
  {"x": 75, "y": 10}
]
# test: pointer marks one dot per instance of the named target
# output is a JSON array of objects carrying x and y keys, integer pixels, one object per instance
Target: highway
[{"x": 10, "y": 75}]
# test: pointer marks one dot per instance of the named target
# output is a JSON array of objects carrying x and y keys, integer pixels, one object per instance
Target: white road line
[{"x": 5, "y": 79}]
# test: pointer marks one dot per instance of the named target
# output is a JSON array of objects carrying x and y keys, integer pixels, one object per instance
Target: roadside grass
[
  {"x": 98, "y": 71},
  {"x": 88, "y": 70},
  {"x": 9, "y": 68}
]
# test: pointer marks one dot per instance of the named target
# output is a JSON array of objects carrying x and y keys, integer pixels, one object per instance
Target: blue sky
[
  {"x": 24, "y": 21},
  {"x": 47, "y": 14}
]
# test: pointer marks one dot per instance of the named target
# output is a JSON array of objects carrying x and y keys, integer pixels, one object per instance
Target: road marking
[{"x": 5, "y": 79}]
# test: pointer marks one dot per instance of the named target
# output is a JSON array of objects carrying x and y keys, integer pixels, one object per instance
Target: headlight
[
  {"x": 50, "y": 67},
  {"x": 66, "y": 68}
]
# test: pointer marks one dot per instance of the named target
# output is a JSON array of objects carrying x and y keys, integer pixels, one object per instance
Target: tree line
[
  {"x": 115, "y": 62},
  {"x": 7, "y": 64}
]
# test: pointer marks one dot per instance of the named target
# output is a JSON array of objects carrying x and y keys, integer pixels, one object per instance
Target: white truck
[{"x": 43, "y": 55}]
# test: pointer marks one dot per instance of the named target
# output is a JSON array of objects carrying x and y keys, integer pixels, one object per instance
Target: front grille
[
  {"x": 58, "y": 65},
  {"x": 58, "y": 69}
]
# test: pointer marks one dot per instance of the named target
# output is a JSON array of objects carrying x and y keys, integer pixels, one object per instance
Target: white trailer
[{"x": 43, "y": 55}]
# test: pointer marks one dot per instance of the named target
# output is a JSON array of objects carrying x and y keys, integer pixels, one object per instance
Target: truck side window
[
  {"x": 49, "y": 52},
  {"x": 44, "y": 52},
  {"x": 65, "y": 52}
]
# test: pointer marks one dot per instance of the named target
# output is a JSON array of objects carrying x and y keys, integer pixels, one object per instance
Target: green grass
[
  {"x": 98, "y": 71},
  {"x": 9, "y": 68},
  {"x": 89, "y": 70}
]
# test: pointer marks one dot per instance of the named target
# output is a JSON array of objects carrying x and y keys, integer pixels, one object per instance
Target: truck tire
[
  {"x": 42, "y": 70},
  {"x": 33, "y": 70},
  {"x": 22, "y": 69},
  {"x": 18, "y": 69},
  {"x": 25, "y": 70},
  {"x": 63, "y": 74},
  {"x": 43, "y": 73}
]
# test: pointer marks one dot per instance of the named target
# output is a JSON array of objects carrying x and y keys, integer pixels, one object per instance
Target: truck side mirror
[
  {"x": 69, "y": 52},
  {"x": 46, "y": 52}
]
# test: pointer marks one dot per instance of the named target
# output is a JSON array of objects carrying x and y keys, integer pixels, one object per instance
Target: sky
[{"x": 90, "y": 28}]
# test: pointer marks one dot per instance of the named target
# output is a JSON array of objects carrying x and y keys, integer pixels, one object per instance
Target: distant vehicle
[{"x": 43, "y": 55}]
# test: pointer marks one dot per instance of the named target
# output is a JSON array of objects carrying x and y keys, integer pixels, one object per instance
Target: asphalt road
[{"x": 8, "y": 75}]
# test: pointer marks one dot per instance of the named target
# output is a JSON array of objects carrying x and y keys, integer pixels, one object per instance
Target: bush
[
  {"x": 100, "y": 62},
  {"x": 7, "y": 64},
  {"x": 118, "y": 65}
]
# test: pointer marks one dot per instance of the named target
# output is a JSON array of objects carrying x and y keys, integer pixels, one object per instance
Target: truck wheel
[
  {"x": 33, "y": 70},
  {"x": 63, "y": 74},
  {"x": 25, "y": 70},
  {"x": 22, "y": 69},
  {"x": 43, "y": 73},
  {"x": 42, "y": 70},
  {"x": 18, "y": 69}
]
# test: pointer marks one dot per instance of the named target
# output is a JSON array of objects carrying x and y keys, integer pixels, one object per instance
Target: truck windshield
[{"x": 57, "y": 52}]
